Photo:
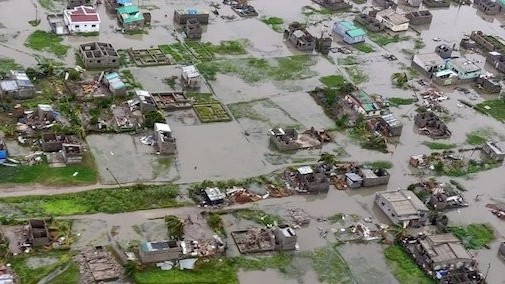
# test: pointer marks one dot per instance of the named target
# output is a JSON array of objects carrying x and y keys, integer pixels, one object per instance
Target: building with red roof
[{"x": 82, "y": 19}]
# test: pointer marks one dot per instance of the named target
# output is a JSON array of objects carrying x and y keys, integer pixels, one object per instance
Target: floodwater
[{"x": 222, "y": 151}]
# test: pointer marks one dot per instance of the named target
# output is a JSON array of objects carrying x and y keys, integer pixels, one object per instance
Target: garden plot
[{"x": 208, "y": 108}]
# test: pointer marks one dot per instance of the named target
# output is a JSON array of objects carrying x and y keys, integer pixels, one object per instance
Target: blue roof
[
  {"x": 3, "y": 154},
  {"x": 356, "y": 32},
  {"x": 111, "y": 76},
  {"x": 123, "y": 2}
]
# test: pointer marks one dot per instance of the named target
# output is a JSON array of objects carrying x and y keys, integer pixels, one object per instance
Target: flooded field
[{"x": 259, "y": 101}]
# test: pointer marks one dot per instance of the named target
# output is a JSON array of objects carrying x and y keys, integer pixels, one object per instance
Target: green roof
[
  {"x": 130, "y": 14},
  {"x": 130, "y": 9},
  {"x": 356, "y": 32},
  {"x": 348, "y": 25}
]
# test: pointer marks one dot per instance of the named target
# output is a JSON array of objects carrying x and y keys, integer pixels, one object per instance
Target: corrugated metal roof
[
  {"x": 356, "y": 32},
  {"x": 8, "y": 85}
]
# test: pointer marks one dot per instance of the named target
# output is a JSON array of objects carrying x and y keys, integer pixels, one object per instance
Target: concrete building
[
  {"x": 353, "y": 180},
  {"x": 385, "y": 4},
  {"x": 497, "y": 60},
  {"x": 488, "y": 7},
  {"x": 349, "y": 33},
  {"x": 312, "y": 182},
  {"x": 57, "y": 24},
  {"x": 171, "y": 101},
  {"x": 82, "y": 19},
  {"x": 51, "y": 143},
  {"x": 493, "y": 151},
  {"x": 369, "y": 22},
  {"x": 444, "y": 51},
  {"x": 114, "y": 83},
  {"x": 285, "y": 238},
  {"x": 464, "y": 68},
  {"x": 190, "y": 76},
  {"x": 437, "y": 3},
  {"x": 153, "y": 252},
  {"x": 393, "y": 20},
  {"x": 214, "y": 196},
  {"x": 72, "y": 153},
  {"x": 487, "y": 42},
  {"x": 402, "y": 207},
  {"x": 333, "y": 5},
  {"x": 38, "y": 233},
  {"x": 193, "y": 29},
  {"x": 130, "y": 18},
  {"x": 165, "y": 142},
  {"x": 18, "y": 86},
  {"x": 76, "y": 3},
  {"x": 414, "y": 3},
  {"x": 421, "y": 17},
  {"x": 431, "y": 125},
  {"x": 489, "y": 84},
  {"x": 99, "y": 55},
  {"x": 284, "y": 139},
  {"x": 181, "y": 16},
  {"x": 300, "y": 37},
  {"x": 374, "y": 177},
  {"x": 363, "y": 104},
  {"x": 145, "y": 100},
  {"x": 390, "y": 125},
  {"x": 429, "y": 63},
  {"x": 323, "y": 44}
]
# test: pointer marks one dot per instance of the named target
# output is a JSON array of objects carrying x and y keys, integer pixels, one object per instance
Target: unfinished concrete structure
[
  {"x": 431, "y": 125},
  {"x": 387, "y": 125},
  {"x": 497, "y": 60},
  {"x": 97, "y": 265},
  {"x": 193, "y": 29},
  {"x": 72, "y": 153},
  {"x": 171, "y": 101},
  {"x": 489, "y": 84},
  {"x": 385, "y": 4},
  {"x": 444, "y": 51},
  {"x": 99, "y": 55},
  {"x": 289, "y": 139},
  {"x": 153, "y": 252},
  {"x": 374, "y": 177},
  {"x": 181, "y": 16},
  {"x": 165, "y": 142},
  {"x": 437, "y": 3},
  {"x": 422, "y": 17},
  {"x": 57, "y": 24},
  {"x": 255, "y": 240},
  {"x": 38, "y": 233},
  {"x": 75, "y": 3},
  {"x": 312, "y": 182},
  {"x": 493, "y": 151},
  {"x": 285, "y": 238},
  {"x": 370, "y": 22},
  {"x": 487, "y": 42},
  {"x": 402, "y": 207},
  {"x": 443, "y": 256},
  {"x": 488, "y": 7},
  {"x": 300, "y": 37},
  {"x": 149, "y": 57},
  {"x": 51, "y": 143},
  {"x": 333, "y": 5}
]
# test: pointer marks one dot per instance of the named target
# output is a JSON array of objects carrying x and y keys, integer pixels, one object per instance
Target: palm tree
[
  {"x": 399, "y": 79},
  {"x": 328, "y": 159}
]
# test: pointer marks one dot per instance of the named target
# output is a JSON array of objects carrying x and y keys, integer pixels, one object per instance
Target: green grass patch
[
  {"x": 474, "y": 236},
  {"x": 480, "y": 136},
  {"x": 7, "y": 64},
  {"x": 69, "y": 276},
  {"x": 383, "y": 39},
  {"x": 228, "y": 47},
  {"x": 356, "y": 74},
  {"x": 333, "y": 81},
  {"x": 348, "y": 60},
  {"x": 401, "y": 101},
  {"x": 330, "y": 266},
  {"x": 404, "y": 267},
  {"x": 178, "y": 52},
  {"x": 309, "y": 11},
  {"x": 47, "y": 4},
  {"x": 114, "y": 200},
  {"x": 379, "y": 165},
  {"x": 258, "y": 216},
  {"x": 30, "y": 275},
  {"x": 88, "y": 34},
  {"x": 274, "y": 22},
  {"x": 496, "y": 108},
  {"x": 46, "y": 41},
  {"x": 364, "y": 47},
  {"x": 439, "y": 145},
  {"x": 418, "y": 43},
  {"x": 216, "y": 223},
  {"x": 43, "y": 174},
  {"x": 254, "y": 70},
  {"x": 211, "y": 113}
]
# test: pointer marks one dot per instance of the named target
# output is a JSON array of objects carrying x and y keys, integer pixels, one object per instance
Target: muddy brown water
[{"x": 221, "y": 151}]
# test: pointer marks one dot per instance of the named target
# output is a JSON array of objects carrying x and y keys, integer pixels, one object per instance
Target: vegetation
[
  {"x": 216, "y": 223},
  {"x": 7, "y": 64},
  {"x": 462, "y": 168},
  {"x": 70, "y": 275},
  {"x": 333, "y": 81},
  {"x": 383, "y": 39},
  {"x": 458, "y": 185},
  {"x": 480, "y": 136},
  {"x": 113, "y": 200},
  {"x": 152, "y": 117},
  {"x": 364, "y": 47},
  {"x": 31, "y": 275},
  {"x": 47, "y": 4},
  {"x": 418, "y": 43},
  {"x": 309, "y": 11},
  {"x": 43, "y": 174},
  {"x": 379, "y": 165},
  {"x": 254, "y": 70},
  {"x": 175, "y": 227},
  {"x": 349, "y": 60},
  {"x": 439, "y": 145},
  {"x": 274, "y": 22},
  {"x": 366, "y": 139},
  {"x": 403, "y": 266},
  {"x": 401, "y": 101},
  {"x": 257, "y": 216},
  {"x": 46, "y": 41},
  {"x": 34, "y": 23},
  {"x": 400, "y": 80},
  {"x": 227, "y": 47},
  {"x": 211, "y": 112},
  {"x": 330, "y": 266},
  {"x": 494, "y": 108},
  {"x": 474, "y": 236},
  {"x": 356, "y": 74}
]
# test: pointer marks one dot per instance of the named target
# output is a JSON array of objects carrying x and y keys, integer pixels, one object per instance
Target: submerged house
[
  {"x": 38, "y": 233},
  {"x": 191, "y": 78},
  {"x": 349, "y": 33},
  {"x": 129, "y": 17},
  {"x": 422, "y": 17},
  {"x": 431, "y": 125},
  {"x": 181, "y": 16},
  {"x": 82, "y": 19},
  {"x": 17, "y": 86},
  {"x": 153, "y": 252},
  {"x": 429, "y": 63},
  {"x": 114, "y": 83},
  {"x": 488, "y": 7},
  {"x": 493, "y": 151},
  {"x": 497, "y": 60},
  {"x": 333, "y": 5},
  {"x": 402, "y": 207},
  {"x": 165, "y": 142},
  {"x": 311, "y": 181},
  {"x": 393, "y": 20},
  {"x": 99, "y": 55},
  {"x": 193, "y": 29},
  {"x": 300, "y": 37},
  {"x": 362, "y": 104}
]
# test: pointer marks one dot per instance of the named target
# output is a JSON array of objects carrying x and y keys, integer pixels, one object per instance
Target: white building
[
  {"x": 393, "y": 20},
  {"x": 82, "y": 19},
  {"x": 402, "y": 207},
  {"x": 191, "y": 77}
]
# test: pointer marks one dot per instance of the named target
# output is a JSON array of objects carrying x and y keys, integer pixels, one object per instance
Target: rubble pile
[{"x": 97, "y": 265}]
